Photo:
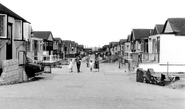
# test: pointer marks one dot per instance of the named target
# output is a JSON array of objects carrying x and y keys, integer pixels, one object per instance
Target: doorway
[
  {"x": 35, "y": 49},
  {"x": 9, "y": 43}
]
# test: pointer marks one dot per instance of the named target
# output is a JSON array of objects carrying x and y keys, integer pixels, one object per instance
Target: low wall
[
  {"x": 12, "y": 72},
  {"x": 162, "y": 68}
]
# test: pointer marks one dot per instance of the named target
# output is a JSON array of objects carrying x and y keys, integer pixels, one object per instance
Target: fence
[
  {"x": 150, "y": 57},
  {"x": 52, "y": 58}
]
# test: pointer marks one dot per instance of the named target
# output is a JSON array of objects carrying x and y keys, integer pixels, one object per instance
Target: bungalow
[
  {"x": 14, "y": 32},
  {"x": 57, "y": 48},
  {"x": 127, "y": 48},
  {"x": 105, "y": 50},
  {"x": 153, "y": 44},
  {"x": 169, "y": 46},
  {"x": 80, "y": 49},
  {"x": 70, "y": 48},
  {"x": 35, "y": 48},
  {"x": 117, "y": 48},
  {"x": 139, "y": 43},
  {"x": 46, "y": 43},
  {"x": 113, "y": 47},
  {"x": 122, "y": 45}
]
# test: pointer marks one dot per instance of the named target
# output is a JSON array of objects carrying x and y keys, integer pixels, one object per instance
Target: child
[
  {"x": 70, "y": 66},
  {"x": 91, "y": 65}
]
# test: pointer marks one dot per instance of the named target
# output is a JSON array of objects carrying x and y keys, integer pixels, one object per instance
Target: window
[
  {"x": 28, "y": 46},
  {"x": 127, "y": 47},
  {"x": 18, "y": 30},
  {"x": 32, "y": 45},
  {"x": 40, "y": 46},
  {"x": 3, "y": 25}
]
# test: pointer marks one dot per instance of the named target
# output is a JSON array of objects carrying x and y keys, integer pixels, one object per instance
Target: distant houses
[
  {"x": 18, "y": 43},
  {"x": 42, "y": 46},
  {"x": 156, "y": 48}
]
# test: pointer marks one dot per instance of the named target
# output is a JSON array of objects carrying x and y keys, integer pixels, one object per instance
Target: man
[{"x": 78, "y": 64}]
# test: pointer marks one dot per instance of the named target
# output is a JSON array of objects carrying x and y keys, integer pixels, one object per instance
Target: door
[
  {"x": 35, "y": 49},
  {"x": 9, "y": 44}
]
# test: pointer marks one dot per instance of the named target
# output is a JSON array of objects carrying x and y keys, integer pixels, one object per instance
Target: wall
[
  {"x": 172, "y": 49},
  {"x": 2, "y": 55},
  {"x": 127, "y": 46},
  {"x": 12, "y": 73}
]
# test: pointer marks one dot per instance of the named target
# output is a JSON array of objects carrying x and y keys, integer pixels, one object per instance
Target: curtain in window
[{"x": 1, "y": 25}]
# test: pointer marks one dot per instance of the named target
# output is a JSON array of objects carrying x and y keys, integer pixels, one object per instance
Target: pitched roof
[
  {"x": 122, "y": 41},
  {"x": 58, "y": 40},
  {"x": 141, "y": 33},
  {"x": 105, "y": 46},
  {"x": 5, "y": 10},
  {"x": 128, "y": 38},
  {"x": 42, "y": 34},
  {"x": 67, "y": 43},
  {"x": 177, "y": 24},
  {"x": 159, "y": 28},
  {"x": 113, "y": 44}
]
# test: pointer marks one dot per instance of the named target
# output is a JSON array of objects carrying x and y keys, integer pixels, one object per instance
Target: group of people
[
  {"x": 90, "y": 63},
  {"x": 78, "y": 64}
]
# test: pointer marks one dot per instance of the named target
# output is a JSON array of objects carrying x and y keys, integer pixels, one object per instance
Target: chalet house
[
  {"x": 47, "y": 44},
  {"x": 117, "y": 48},
  {"x": 169, "y": 45},
  {"x": 111, "y": 48},
  {"x": 14, "y": 32},
  {"x": 122, "y": 45},
  {"x": 106, "y": 50},
  {"x": 66, "y": 46},
  {"x": 35, "y": 48},
  {"x": 154, "y": 43},
  {"x": 80, "y": 49},
  {"x": 127, "y": 48},
  {"x": 139, "y": 43},
  {"x": 70, "y": 48},
  {"x": 114, "y": 48},
  {"x": 57, "y": 48},
  {"x": 73, "y": 48}
]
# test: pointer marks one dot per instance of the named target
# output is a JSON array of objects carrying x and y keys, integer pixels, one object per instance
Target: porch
[{"x": 150, "y": 57}]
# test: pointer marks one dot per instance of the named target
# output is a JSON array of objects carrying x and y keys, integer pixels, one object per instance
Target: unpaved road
[{"x": 110, "y": 88}]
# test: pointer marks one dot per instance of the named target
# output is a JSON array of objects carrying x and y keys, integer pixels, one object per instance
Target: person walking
[
  {"x": 70, "y": 66},
  {"x": 78, "y": 64},
  {"x": 87, "y": 61},
  {"x": 91, "y": 65}
]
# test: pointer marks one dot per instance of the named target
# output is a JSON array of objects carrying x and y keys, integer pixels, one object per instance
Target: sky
[{"x": 95, "y": 22}]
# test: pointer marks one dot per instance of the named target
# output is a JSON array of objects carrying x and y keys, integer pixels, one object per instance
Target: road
[{"x": 110, "y": 88}]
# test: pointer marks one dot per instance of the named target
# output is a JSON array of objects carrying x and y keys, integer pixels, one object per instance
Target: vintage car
[{"x": 32, "y": 69}]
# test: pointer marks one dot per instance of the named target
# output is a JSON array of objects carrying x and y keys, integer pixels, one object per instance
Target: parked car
[{"x": 32, "y": 69}]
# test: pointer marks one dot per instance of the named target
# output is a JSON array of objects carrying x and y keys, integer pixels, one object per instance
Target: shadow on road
[{"x": 36, "y": 79}]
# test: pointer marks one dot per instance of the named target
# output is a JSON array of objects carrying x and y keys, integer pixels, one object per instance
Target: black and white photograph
[{"x": 92, "y": 54}]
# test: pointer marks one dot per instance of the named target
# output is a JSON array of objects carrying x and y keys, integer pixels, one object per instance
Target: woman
[
  {"x": 70, "y": 66},
  {"x": 78, "y": 64}
]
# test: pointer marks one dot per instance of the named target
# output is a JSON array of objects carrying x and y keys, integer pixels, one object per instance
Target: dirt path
[{"x": 110, "y": 88}]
